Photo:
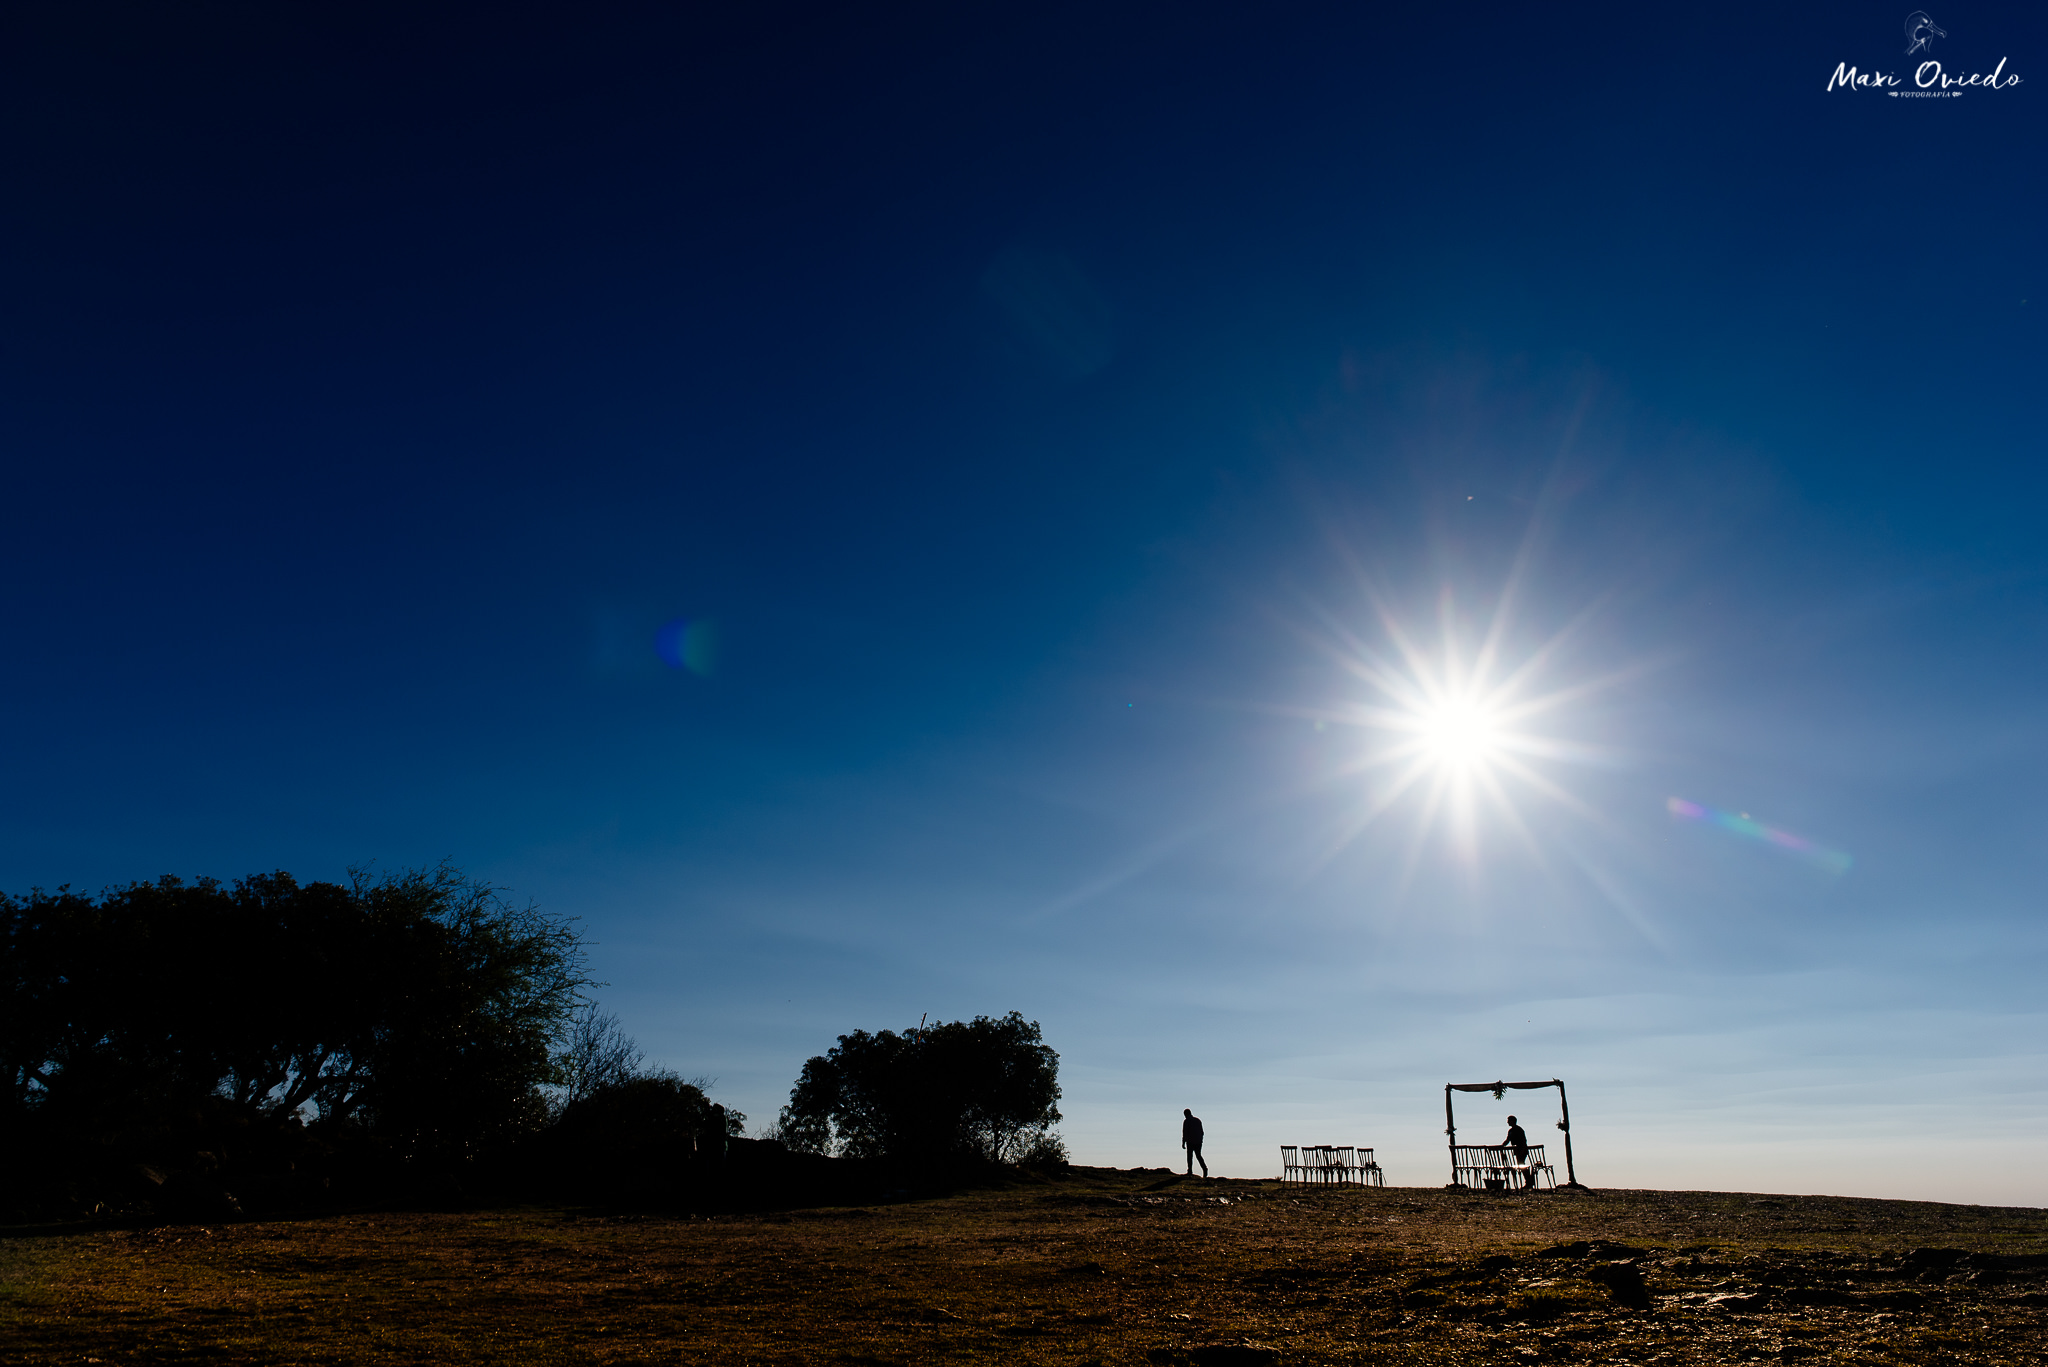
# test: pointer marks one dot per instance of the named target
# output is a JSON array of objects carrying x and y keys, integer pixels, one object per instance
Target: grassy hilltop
[{"x": 1095, "y": 1266}]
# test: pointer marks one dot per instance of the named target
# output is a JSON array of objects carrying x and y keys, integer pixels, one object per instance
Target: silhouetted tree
[
  {"x": 624, "y": 1132},
  {"x": 468, "y": 1026},
  {"x": 651, "y": 1113},
  {"x": 598, "y": 1054},
  {"x": 986, "y": 1088},
  {"x": 420, "y": 1006}
]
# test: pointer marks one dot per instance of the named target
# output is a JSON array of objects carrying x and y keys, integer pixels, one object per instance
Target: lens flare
[
  {"x": 688, "y": 645},
  {"x": 1740, "y": 823}
]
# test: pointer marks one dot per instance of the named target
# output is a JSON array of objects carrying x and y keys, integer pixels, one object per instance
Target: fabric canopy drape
[{"x": 1497, "y": 1086}]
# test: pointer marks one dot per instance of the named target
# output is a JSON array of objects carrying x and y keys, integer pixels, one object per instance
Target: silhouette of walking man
[
  {"x": 1519, "y": 1142},
  {"x": 1191, "y": 1140}
]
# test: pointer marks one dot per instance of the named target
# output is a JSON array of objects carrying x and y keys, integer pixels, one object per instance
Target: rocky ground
[{"x": 1100, "y": 1266}]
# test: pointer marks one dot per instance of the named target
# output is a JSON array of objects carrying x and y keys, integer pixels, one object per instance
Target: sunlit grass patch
[{"x": 1542, "y": 1303}]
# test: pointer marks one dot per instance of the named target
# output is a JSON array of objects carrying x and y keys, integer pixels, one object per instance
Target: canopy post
[
  {"x": 1451, "y": 1132},
  {"x": 1571, "y": 1173}
]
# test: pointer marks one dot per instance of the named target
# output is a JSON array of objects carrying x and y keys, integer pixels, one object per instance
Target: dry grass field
[{"x": 1100, "y": 1266}]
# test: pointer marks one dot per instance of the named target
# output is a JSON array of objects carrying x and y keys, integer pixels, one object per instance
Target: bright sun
[
  {"x": 1460, "y": 726},
  {"x": 1458, "y": 733}
]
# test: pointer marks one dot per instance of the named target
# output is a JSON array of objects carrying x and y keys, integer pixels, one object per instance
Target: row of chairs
[
  {"x": 1480, "y": 1167},
  {"x": 1330, "y": 1163},
  {"x": 1494, "y": 1167}
]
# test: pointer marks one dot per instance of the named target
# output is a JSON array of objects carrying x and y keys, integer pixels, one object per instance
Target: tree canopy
[
  {"x": 986, "y": 1088},
  {"x": 420, "y": 1006}
]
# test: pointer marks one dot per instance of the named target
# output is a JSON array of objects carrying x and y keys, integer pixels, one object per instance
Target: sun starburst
[{"x": 1464, "y": 731}]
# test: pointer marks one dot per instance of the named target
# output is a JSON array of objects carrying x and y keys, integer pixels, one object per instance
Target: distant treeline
[{"x": 201, "y": 1047}]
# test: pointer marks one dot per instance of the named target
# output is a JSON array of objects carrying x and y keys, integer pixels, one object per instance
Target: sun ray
[{"x": 1349, "y": 830}]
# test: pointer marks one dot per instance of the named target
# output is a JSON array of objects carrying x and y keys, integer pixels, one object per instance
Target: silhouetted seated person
[
  {"x": 1518, "y": 1142},
  {"x": 1191, "y": 1140}
]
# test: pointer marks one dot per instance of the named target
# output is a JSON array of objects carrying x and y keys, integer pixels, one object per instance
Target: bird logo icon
[{"x": 1921, "y": 32}]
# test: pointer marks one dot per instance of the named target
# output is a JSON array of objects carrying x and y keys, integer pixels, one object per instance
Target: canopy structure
[{"x": 1501, "y": 1089}]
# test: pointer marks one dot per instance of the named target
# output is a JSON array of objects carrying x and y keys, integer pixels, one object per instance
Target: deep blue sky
[{"x": 1028, "y": 396}]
